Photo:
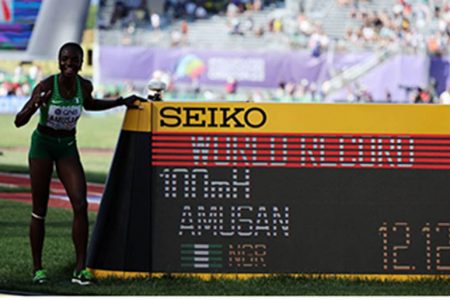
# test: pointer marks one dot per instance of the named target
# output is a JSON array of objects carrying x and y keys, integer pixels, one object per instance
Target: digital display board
[
  {"x": 17, "y": 19},
  {"x": 243, "y": 188},
  {"x": 301, "y": 204}
]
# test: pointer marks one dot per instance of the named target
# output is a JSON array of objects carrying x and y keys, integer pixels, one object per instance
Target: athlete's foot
[{"x": 40, "y": 276}]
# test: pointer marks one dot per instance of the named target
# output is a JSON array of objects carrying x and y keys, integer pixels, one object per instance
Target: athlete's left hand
[{"x": 131, "y": 101}]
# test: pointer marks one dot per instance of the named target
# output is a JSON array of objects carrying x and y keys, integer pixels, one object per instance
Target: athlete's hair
[{"x": 72, "y": 45}]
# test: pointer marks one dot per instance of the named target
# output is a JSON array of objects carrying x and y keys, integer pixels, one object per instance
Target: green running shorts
[{"x": 46, "y": 146}]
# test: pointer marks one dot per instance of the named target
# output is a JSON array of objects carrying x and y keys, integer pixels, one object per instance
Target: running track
[{"x": 58, "y": 196}]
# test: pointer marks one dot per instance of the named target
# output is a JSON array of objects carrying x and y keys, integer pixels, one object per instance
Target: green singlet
[{"x": 61, "y": 115}]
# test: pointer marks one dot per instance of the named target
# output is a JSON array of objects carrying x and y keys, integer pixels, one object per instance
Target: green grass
[
  {"x": 94, "y": 131},
  {"x": 15, "y": 271},
  {"x": 97, "y": 137}
]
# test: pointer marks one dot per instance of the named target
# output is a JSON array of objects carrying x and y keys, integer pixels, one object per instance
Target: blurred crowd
[
  {"x": 22, "y": 81},
  {"x": 418, "y": 25},
  {"x": 139, "y": 12},
  {"x": 415, "y": 24},
  {"x": 422, "y": 26}
]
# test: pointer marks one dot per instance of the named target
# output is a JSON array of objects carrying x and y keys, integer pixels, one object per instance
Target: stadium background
[{"x": 298, "y": 50}]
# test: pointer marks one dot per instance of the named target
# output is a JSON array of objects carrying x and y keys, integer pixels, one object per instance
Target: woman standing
[{"x": 60, "y": 99}]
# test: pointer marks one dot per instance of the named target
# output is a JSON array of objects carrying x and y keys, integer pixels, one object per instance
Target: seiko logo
[{"x": 253, "y": 117}]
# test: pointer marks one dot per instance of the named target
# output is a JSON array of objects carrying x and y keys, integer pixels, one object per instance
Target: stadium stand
[
  {"x": 388, "y": 30},
  {"x": 271, "y": 26}
]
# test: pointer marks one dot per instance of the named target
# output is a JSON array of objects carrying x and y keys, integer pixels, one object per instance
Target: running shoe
[
  {"x": 40, "y": 276},
  {"x": 84, "y": 277}
]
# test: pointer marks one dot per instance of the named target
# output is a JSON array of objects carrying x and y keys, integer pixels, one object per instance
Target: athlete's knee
[
  {"x": 38, "y": 216},
  {"x": 80, "y": 206},
  {"x": 39, "y": 210}
]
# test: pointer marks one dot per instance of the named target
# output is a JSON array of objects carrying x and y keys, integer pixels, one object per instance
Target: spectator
[
  {"x": 231, "y": 86},
  {"x": 119, "y": 14},
  {"x": 423, "y": 96},
  {"x": 200, "y": 12},
  {"x": 155, "y": 21},
  {"x": 184, "y": 27}
]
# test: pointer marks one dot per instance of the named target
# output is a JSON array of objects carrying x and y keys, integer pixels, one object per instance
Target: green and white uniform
[
  {"x": 60, "y": 117},
  {"x": 61, "y": 113}
]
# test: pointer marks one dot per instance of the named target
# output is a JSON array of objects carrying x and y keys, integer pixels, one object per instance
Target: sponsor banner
[
  {"x": 290, "y": 118},
  {"x": 207, "y": 66},
  {"x": 398, "y": 76}
]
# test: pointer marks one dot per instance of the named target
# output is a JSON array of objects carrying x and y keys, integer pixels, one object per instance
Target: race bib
[{"x": 63, "y": 117}]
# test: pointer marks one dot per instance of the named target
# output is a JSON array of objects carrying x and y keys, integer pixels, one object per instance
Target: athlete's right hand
[
  {"x": 42, "y": 98},
  {"x": 38, "y": 98}
]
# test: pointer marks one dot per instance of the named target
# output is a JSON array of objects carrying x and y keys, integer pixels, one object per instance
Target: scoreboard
[{"x": 244, "y": 188}]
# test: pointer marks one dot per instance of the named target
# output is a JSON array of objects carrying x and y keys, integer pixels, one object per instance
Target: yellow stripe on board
[
  {"x": 102, "y": 274},
  {"x": 138, "y": 119},
  {"x": 301, "y": 118}
]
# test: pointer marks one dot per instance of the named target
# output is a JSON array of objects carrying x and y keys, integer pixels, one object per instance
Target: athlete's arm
[
  {"x": 99, "y": 104},
  {"x": 40, "y": 95}
]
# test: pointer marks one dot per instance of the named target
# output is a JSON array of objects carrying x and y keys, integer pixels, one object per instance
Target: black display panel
[
  {"x": 300, "y": 221},
  {"x": 317, "y": 220}
]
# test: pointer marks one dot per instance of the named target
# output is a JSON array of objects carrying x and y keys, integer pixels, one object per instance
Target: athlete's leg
[
  {"x": 71, "y": 173},
  {"x": 40, "y": 175}
]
